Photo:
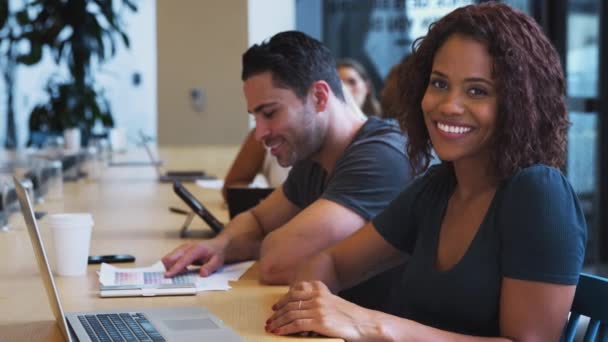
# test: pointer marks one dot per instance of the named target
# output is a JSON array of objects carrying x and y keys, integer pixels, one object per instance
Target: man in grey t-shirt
[{"x": 346, "y": 168}]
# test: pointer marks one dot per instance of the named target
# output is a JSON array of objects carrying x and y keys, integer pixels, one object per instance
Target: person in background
[
  {"x": 495, "y": 234},
  {"x": 346, "y": 167},
  {"x": 354, "y": 75},
  {"x": 254, "y": 159},
  {"x": 389, "y": 95}
]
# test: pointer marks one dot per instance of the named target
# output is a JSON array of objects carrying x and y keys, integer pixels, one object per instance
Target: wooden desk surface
[{"x": 131, "y": 216}]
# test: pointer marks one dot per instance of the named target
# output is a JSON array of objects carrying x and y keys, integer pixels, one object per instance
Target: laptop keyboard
[{"x": 120, "y": 327}]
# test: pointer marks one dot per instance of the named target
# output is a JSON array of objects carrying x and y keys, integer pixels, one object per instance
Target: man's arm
[
  {"x": 349, "y": 262},
  {"x": 247, "y": 230},
  {"x": 239, "y": 240},
  {"x": 319, "y": 226}
]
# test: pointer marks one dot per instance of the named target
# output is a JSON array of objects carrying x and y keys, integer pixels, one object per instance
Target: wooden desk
[{"x": 131, "y": 215}]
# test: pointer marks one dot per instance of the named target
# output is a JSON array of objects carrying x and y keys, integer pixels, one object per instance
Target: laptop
[
  {"x": 240, "y": 199},
  {"x": 150, "y": 324},
  {"x": 172, "y": 176},
  {"x": 133, "y": 163}
]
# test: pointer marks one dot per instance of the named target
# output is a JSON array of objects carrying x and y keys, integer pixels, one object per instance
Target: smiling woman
[
  {"x": 460, "y": 101},
  {"x": 494, "y": 237}
]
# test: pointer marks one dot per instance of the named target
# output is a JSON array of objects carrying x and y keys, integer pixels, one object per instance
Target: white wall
[
  {"x": 267, "y": 17},
  {"x": 134, "y": 106}
]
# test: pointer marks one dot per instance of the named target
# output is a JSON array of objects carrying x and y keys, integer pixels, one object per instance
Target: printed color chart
[{"x": 153, "y": 278}]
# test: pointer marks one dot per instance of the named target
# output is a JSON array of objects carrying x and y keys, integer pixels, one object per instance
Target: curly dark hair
[
  {"x": 532, "y": 120},
  {"x": 295, "y": 60}
]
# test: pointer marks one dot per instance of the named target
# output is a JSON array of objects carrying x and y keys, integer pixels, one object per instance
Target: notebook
[
  {"x": 240, "y": 199},
  {"x": 172, "y": 176},
  {"x": 150, "y": 324}
]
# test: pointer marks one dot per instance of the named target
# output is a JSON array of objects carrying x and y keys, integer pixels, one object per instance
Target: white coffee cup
[
  {"x": 71, "y": 137},
  {"x": 54, "y": 189},
  {"x": 71, "y": 233},
  {"x": 118, "y": 139}
]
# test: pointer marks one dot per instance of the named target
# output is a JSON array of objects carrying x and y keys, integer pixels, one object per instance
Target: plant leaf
[
  {"x": 4, "y": 12},
  {"x": 22, "y": 17},
  {"x": 33, "y": 57},
  {"x": 125, "y": 39},
  {"x": 130, "y": 5}
]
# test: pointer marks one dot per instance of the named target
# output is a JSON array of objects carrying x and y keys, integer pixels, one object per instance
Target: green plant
[
  {"x": 64, "y": 109},
  {"x": 77, "y": 33}
]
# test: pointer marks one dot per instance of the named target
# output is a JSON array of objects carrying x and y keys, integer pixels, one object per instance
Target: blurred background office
[{"x": 179, "y": 79}]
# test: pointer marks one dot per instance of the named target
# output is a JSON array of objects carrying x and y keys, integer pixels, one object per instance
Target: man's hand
[{"x": 209, "y": 254}]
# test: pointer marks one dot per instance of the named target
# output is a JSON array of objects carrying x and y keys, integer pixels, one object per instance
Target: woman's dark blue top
[{"x": 534, "y": 230}]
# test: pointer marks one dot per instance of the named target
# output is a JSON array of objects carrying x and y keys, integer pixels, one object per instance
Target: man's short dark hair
[{"x": 295, "y": 61}]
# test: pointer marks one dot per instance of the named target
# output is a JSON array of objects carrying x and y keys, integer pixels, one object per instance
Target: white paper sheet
[
  {"x": 154, "y": 275},
  {"x": 258, "y": 182},
  {"x": 216, "y": 184}
]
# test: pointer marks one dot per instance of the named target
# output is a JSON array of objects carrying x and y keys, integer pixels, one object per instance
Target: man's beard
[{"x": 306, "y": 145}]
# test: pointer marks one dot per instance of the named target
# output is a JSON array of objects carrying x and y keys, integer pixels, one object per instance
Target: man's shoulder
[
  {"x": 379, "y": 126},
  {"x": 306, "y": 164},
  {"x": 307, "y": 173},
  {"x": 378, "y": 134}
]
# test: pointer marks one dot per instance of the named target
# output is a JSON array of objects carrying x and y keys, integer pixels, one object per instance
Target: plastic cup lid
[{"x": 70, "y": 218}]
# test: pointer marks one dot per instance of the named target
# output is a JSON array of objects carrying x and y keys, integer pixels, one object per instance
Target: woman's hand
[{"x": 310, "y": 308}]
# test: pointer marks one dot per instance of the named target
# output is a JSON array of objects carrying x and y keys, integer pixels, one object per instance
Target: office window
[
  {"x": 582, "y": 48},
  {"x": 582, "y": 70},
  {"x": 379, "y": 33}
]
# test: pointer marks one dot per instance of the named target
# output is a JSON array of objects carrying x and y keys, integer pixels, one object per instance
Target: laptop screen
[
  {"x": 240, "y": 199},
  {"x": 153, "y": 159},
  {"x": 41, "y": 258}
]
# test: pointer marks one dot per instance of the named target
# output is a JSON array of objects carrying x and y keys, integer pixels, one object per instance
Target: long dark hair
[{"x": 371, "y": 105}]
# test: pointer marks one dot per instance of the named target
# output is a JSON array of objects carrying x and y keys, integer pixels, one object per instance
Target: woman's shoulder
[
  {"x": 542, "y": 227},
  {"x": 537, "y": 176},
  {"x": 538, "y": 182}
]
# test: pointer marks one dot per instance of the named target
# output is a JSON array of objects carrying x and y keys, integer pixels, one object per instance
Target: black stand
[{"x": 184, "y": 230}]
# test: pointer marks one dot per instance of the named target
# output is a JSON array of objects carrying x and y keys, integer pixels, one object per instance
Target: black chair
[{"x": 591, "y": 300}]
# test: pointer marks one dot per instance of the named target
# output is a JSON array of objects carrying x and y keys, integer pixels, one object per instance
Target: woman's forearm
[{"x": 320, "y": 267}]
